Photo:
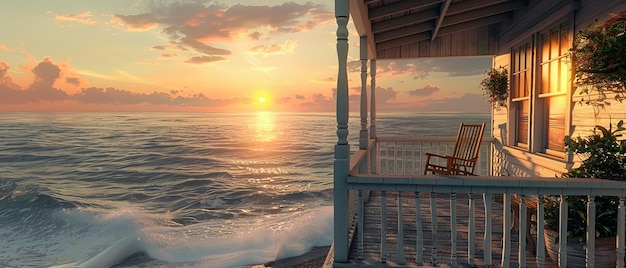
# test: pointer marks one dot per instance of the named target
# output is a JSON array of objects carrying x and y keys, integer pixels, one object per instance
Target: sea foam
[{"x": 278, "y": 236}]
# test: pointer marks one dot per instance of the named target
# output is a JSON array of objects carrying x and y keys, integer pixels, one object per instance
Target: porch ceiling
[{"x": 432, "y": 28}]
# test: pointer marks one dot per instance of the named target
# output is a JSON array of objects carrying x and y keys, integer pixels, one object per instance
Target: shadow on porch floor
[{"x": 372, "y": 234}]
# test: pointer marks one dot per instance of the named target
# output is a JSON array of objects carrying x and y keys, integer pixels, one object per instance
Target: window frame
[{"x": 537, "y": 97}]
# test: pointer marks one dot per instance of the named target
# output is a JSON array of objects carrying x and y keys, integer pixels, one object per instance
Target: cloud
[
  {"x": 170, "y": 47},
  {"x": 4, "y": 47},
  {"x": 427, "y": 90},
  {"x": 168, "y": 55},
  {"x": 4, "y": 68},
  {"x": 276, "y": 49},
  {"x": 141, "y": 22},
  {"x": 385, "y": 94},
  {"x": 73, "y": 80},
  {"x": 299, "y": 97},
  {"x": 204, "y": 59},
  {"x": 47, "y": 72},
  {"x": 422, "y": 68},
  {"x": 466, "y": 103},
  {"x": 82, "y": 18},
  {"x": 201, "y": 25}
]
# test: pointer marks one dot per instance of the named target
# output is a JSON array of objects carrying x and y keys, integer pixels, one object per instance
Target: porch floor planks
[{"x": 372, "y": 225}]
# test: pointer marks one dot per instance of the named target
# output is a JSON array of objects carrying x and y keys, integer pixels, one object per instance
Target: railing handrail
[
  {"x": 488, "y": 184},
  {"x": 427, "y": 138}
]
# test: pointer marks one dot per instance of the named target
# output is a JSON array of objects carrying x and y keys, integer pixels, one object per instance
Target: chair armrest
[{"x": 441, "y": 156}]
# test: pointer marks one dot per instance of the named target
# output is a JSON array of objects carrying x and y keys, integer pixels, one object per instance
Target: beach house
[{"x": 388, "y": 214}]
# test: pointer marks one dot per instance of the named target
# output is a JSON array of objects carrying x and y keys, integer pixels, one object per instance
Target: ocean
[{"x": 175, "y": 189}]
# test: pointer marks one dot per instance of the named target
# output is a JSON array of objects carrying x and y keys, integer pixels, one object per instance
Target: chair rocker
[{"x": 463, "y": 160}]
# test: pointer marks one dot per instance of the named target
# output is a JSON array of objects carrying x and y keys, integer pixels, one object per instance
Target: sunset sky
[{"x": 216, "y": 56}]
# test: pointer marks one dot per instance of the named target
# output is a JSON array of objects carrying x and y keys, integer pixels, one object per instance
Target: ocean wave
[{"x": 199, "y": 245}]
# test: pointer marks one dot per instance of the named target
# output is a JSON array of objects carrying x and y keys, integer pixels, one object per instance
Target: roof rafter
[
  {"x": 482, "y": 13},
  {"x": 406, "y": 31},
  {"x": 444, "y": 11},
  {"x": 399, "y": 7},
  {"x": 416, "y": 18}
]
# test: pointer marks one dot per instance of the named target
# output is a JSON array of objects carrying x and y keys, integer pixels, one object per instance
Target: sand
[{"x": 312, "y": 259}]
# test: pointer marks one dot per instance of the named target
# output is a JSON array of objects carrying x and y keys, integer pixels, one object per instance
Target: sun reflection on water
[{"x": 264, "y": 127}]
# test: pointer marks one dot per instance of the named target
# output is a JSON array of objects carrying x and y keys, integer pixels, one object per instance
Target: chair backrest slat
[{"x": 468, "y": 141}]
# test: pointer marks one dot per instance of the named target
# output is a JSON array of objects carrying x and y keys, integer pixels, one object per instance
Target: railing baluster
[
  {"x": 453, "y": 254},
  {"x": 471, "y": 236},
  {"x": 621, "y": 232},
  {"x": 400, "y": 232},
  {"x": 360, "y": 224},
  {"x": 506, "y": 231},
  {"x": 421, "y": 157},
  {"x": 383, "y": 226},
  {"x": 563, "y": 232},
  {"x": 402, "y": 158},
  {"x": 541, "y": 247},
  {"x": 387, "y": 158},
  {"x": 591, "y": 231},
  {"x": 433, "y": 213},
  {"x": 418, "y": 231},
  {"x": 395, "y": 158},
  {"x": 413, "y": 167},
  {"x": 487, "y": 238},
  {"x": 521, "y": 259}
]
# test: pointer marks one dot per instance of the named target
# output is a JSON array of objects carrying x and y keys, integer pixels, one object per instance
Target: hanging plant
[
  {"x": 495, "y": 86},
  {"x": 599, "y": 54}
]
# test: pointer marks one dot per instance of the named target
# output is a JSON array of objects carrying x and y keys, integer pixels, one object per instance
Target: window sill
[{"x": 533, "y": 164}]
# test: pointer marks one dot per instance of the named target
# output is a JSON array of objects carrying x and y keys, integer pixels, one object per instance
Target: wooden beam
[
  {"x": 399, "y": 7},
  {"x": 406, "y": 31},
  {"x": 402, "y": 41},
  {"x": 359, "y": 14},
  {"x": 482, "y": 13},
  {"x": 544, "y": 13},
  {"x": 475, "y": 24},
  {"x": 422, "y": 16},
  {"x": 444, "y": 11},
  {"x": 465, "y": 6}
]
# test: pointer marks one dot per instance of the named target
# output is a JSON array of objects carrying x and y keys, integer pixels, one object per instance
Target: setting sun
[{"x": 261, "y": 99}]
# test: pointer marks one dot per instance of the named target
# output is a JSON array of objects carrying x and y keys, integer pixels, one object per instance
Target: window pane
[
  {"x": 523, "y": 112},
  {"x": 521, "y": 66},
  {"x": 555, "y": 127}
]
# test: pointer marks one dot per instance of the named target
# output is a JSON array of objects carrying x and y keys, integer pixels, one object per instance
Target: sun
[{"x": 261, "y": 99}]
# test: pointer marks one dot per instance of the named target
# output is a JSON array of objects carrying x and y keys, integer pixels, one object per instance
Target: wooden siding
[
  {"x": 586, "y": 117},
  {"x": 474, "y": 42}
]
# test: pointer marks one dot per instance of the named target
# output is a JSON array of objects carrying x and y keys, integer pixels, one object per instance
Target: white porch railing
[{"x": 394, "y": 165}]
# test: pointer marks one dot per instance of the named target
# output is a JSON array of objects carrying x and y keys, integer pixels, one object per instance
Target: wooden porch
[
  {"x": 444, "y": 226},
  {"x": 385, "y": 179},
  {"x": 370, "y": 254}
]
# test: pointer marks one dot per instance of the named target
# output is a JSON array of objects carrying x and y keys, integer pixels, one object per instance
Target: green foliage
[
  {"x": 495, "y": 86},
  {"x": 604, "y": 157},
  {"x": 599, "y": 53}
]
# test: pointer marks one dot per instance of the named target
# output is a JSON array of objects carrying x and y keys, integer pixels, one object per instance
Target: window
[
  {"x": 539, "y": 105},
  {"x": 555, "y": 80},
  {"x": 521, "y": 86}
]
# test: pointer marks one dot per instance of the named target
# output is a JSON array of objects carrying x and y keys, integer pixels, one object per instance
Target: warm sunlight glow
[
  {"x": 261, "y": 100},
  {"x": 264, "y": 127}
]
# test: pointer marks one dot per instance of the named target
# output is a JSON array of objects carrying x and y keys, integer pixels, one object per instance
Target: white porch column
[
  {"x": 373, "y": 99},
  {"x": 342, "y": 148},
  {"x": 373, "y": 163},
  {"x": 363, "y": 135}
]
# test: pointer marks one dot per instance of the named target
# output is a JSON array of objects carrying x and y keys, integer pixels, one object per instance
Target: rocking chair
[{"x": 463, "y": 159}]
